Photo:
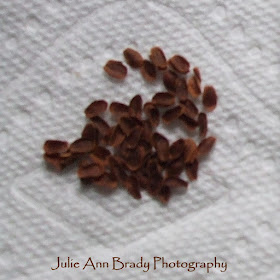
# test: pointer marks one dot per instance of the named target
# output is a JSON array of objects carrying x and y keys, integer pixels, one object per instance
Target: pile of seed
[{"x": 139, "y": 157}]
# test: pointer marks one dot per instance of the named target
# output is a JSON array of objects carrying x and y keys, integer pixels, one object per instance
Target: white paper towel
[{"x": 52, "y": 54}]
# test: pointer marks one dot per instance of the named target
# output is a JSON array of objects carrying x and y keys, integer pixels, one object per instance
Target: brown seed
[
  {"x": 190, "y": 123},
  {"x": 82, "y": 146},
  {"x": 96, "y": 108},
  {"x": 206, "y": 145},
  {"x": 169, "y": 80},
  {"x": 117, "y": 136},
  {"x": 152, "y": 114},
  {"x": 134, "y": 161},
  {"x": 91, "y": 133},
  {"x": 202, "y": 123},
  {"x": 119, "y": 109},
  {"x": 148, "y": 71},
  {"x": 189, "y": 108},
  {"x": 174, "y": 182},
  {"x": 132, "y": 186},
  {"x": 190, "y": 150},
  {"x": 107, "y": 180},
  {"x": 175, "y": 167},
  {"x": 194, "y": 87},
  {"x": 163, "y": 99},
  {"x": 100, "y": 155},
  {"x": 58, "y": 162},
  {"x": 89, "y": 171},
  {"x": 164, "y": 194},
  {"x": 197, "y": 73},
  {"x": 116, "y": 168},
  {"x": 115, "y": 69},
  {"x": 172, "y": 115},
  {"x": 180, "y": 64},
  {"x": 128, "y": 124},
  {"x": 144, "y": 147},
  {"x": 181, "y": 89},
  {"x": 135, "y": 106},
  {"x": 133, "y": 58},
  {"x": 192, "y": 170},
  {"x": 161, "y": 145},
  {"x": 148, "y": 129},
  {"x": 209, "y": 98},
  {"x": 101, "y": 125},
  {"x": 55, "y": 147},
  {"x": 134, "y": 137},
  {"x": 177, "y": 149},
  {"x": 158, "y": 58}
]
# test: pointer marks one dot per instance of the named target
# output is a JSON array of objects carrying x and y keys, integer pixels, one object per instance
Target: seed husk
[
  {"x": 102, "y": 126},
  {"x": 205, "y": 146},
  {"x": 177, "y": 149},
  {"x": 194, "y": 87},
  {"x": 161, "y": 145},
  {"x": 190, "y": 150},
  {"x": 192, "y": 170},
  {"x": 158, "y": 58},
  {"x": 52, "y": 147},
  {"x": 202, "y": 123},
  {"x": 163, "y": 99},
  {"x": 96, "y": 108},
  {"x": 180, "y": 64},
  {"x": 148, "y": 71},
  {"x": 172, "y": 115},
  {"x": 115, "y": 69},
  {"x": 169, "y": 80},
  {"x": 152, "y": 114},
  {"x": 90, "y": 171},
  {"x": 189, "y": 123},
  {"x": 209, "y": 98},
  {"x": 119, "y": 110},
  {"x": 174, "y": 182},
  {"x": 164, "y": 194},
  {"x": 135, "y": 106},
  {"x": 133, "y": 58},
  {"x": 181, "y": 89},
  {"x": 82, "y": 146}
]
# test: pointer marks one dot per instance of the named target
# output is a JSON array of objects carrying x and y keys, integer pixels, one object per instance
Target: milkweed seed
[
  {"x": 92, "y": 170},
  {"x": 194, "y": 87},
  {"x": 133, "y": 138},
  {"x": 128, "y": 124},
  {"x": 197, "y": 73},
  {"x": 189, "y": 123},
  {"x": 91, "y": 133},
  {"x": 192, "y": 170},
  {"x": 101, "y": 125},
  {"x": 161, "y": 145},
  {"x": 164, "y": 194},
  {"x": 132, "y": 186},
  {"x": 152, "y": 113},
  {"x": 119, "y": 109},
  {"x": 190, "y": 150},
  {"x": 133, "y": 58},
  {"x": 206, "y": 145},
  {"x": 180, "y": 64},
  {"x": 181, "y": 89},
  {"x": 189, "y": 108},
  {"x": 175, "y": 167},
  {"x": 169, "y": 80},
  {"x": 117, "y": 136},
  {"x": 177, "y": 149},
  {"x": 209, "y": 98},
  {"x": 82, "y": 146},
  {"x": 135, "y": 106},
  {"x": 96, "y": 108},
  {"x": 148, "y": 71},
  {"x": 158, "y": 58},
  {"x": 115, "y": 69},
  {"x": 163, "y": 99},
  {"x": 55, "y": 147},
  {"x": 100, "y": 155},
  {"x": 172, "y": 114},
  {"x": 107, "y": 180},
  {"x": 202, "y": 123}
]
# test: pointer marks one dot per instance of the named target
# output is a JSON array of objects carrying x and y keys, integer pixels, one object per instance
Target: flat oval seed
[
  {"x": 158, "y": 58},
  {"x": 107, "y": 180},
  {"x": 161, "y": 145},
  {"x": 91, "y": 133},
  {"x": 189, "y": 108},
  {"x": 93, "y": 170},
  {"x": 55, "y": 147},
  {"x": 194, "y": 87},
  {"x": 163, "y": 99},
  {"x": 177, "y": 149},
  {"x": 181, "y": 89},
  {"x": 172, "y": 115},
  {"x": 117, "y": 137},
  {"x": 115, "y": 69},
  {"x": 152, "y": 114},
  {"x": 169, "y": 80},
  {"x": 197, "y": 73},
  {"x": 190, "y": 150},
  {"x": 206, "y": 146},
  {"x": 148, "y": 71},
  {"x": 190, "y": 123},
  {"x": 209, "y": 98},
  {"x": 119, "y": 109},
  {"x": 180, "y": 64},
  {"x": 96, "y": 108},
  {"x": 192, "y": 170},
  {"x": 82, "y": 146},
  {"x": 135, "y": 106},
  {"x": 202, "y": 123},
  {"x": 133, "y": 58},
  {"x": 102, "y": 126},
  {"x": 100, "y": 155}
]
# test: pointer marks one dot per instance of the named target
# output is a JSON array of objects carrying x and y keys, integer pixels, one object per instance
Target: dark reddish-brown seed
[
  {"x": 177, "y": 149},
  {"x": 192, "y": 170},
  {"x": 116, "y": 167},
  {"x": 59, "y": 161},
  {"x": 175, "y": 167},
  {"x": 144, "y": 147},
  {"x": 132, "y": 186},
  {"x": 189, "y": 109},
  {"x": 119, "y": 109},
  {"x": 135, "y": 106},
  {"x": 206, "y": 145},
  {"x": 174, "y": 182},
  {"x": 163, "y": 99},
  {"x": 148, "y": 129},
  {"x": 190, "y": 150},
  {"x": 169, "y": 80},
  {"x": 194, "y": 87},
  {"x": 164, "y": 194},
  {"x": 180, "y": 64},
  {"x": 152, "y": 113},
  {"x": 115, "y": 69},
  {"x": 202, "y": 123},
  {"x": 181, "y": 89},
  {"x": 92, "y": 170},
  {"x": 55, "y": 147},
  {"x": 96, "y": 108},
  {"x": 190, "y": 123},
  {"x": 100, "y": 155},
  {"x": 172, "y": 115},
  {"x": 148, "y": 71},
  {"x": 128, "y": 124},
  {"x": 161, "y": 145},
  {"x": 91, "y": 133},
  {"x": 117, "y": 136},
  {"x": 102, "y": 126},
  {"x": 134, "y": 137},
  {"x": 107, "y": 180},
  {"x": 158, "y": 58},
  {"x": 209, "y": 98},
  {"x": 133, "y": 160},
  {"x": 82, "y": 146},
  {"x": 197, "y": 73},
  {"x": 133, "y": 58}
]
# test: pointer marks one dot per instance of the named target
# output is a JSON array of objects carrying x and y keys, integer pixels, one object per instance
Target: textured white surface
[{"x": 51, "y": 59}]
